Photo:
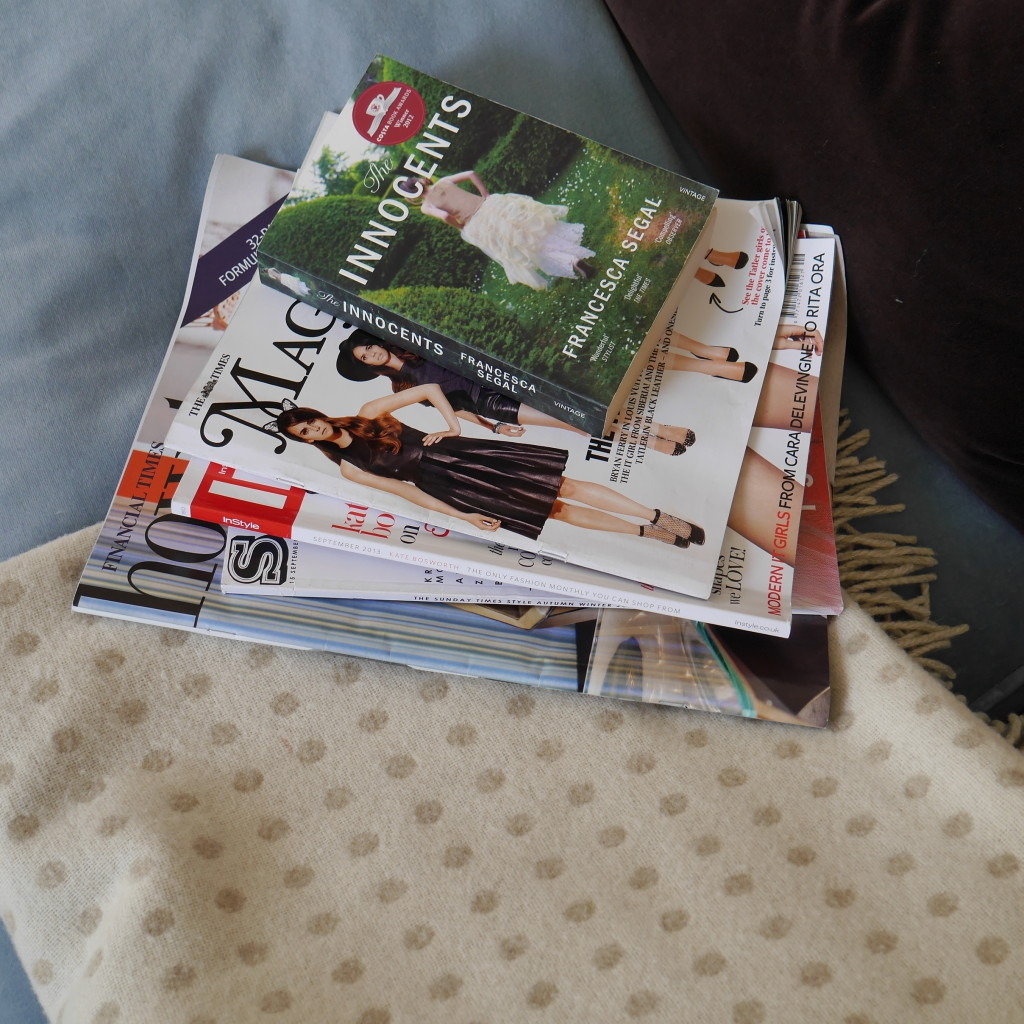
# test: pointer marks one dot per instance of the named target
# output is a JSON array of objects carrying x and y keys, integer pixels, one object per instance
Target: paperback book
[
  {"x": 151, "y": 565},
  {"x": 501, "y": 246}
]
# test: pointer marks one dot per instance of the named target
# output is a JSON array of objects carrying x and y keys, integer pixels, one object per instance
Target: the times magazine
[
  {"x": 752, "y": 583},
  {"x": 354, "y": 551}
]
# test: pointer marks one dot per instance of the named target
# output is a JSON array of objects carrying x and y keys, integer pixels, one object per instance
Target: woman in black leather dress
[{"x": 487, "y": 483}]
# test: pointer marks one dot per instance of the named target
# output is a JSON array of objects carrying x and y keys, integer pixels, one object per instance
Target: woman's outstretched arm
[
  {"x": 470, "y": 176},
  {"x": 431, "y": 393},
  {"x": 508, "y": 429}
]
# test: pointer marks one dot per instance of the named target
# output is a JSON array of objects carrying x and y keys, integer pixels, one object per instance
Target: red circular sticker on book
[{"x": 389, "y": 113}]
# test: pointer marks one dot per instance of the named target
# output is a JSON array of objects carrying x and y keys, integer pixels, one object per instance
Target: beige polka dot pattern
[{"x": 202, "y": 831}]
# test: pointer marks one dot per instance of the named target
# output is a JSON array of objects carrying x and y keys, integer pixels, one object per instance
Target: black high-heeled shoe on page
[
  {"x": 731, "y": 355},
  {"x": 737, "y": 260},
  {"x": 711, "y": 280},
  {"x": 682, "y": 528},
  {"x": 749, "y": 373}
]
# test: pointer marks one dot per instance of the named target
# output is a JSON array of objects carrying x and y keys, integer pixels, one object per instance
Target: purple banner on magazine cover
[{"x": 228, "y": 265}]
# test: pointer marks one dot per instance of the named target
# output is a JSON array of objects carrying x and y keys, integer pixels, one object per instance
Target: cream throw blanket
[{"x": 199, "y": 830}]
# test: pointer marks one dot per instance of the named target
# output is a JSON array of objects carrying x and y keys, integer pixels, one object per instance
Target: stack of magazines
[{"x": 474, "y": 394}]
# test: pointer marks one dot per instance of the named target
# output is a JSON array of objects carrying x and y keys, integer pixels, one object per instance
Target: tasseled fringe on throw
[{"x": 872, "y": 565}]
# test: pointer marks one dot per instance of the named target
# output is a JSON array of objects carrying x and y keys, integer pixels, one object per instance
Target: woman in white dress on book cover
[{"x": 531, "y": 240}]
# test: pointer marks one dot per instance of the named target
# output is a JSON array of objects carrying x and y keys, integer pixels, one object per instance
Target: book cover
[
  {"x": 649, "y": 500},
  {"x": 495, "y": 243},
  {"x": 154, "y": 566}
]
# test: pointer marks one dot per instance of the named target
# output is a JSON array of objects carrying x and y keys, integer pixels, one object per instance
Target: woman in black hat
[{"x": 362, "y": 357}]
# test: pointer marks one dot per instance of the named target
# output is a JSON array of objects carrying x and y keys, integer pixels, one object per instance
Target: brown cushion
[{"x": 901, "y": 125}]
